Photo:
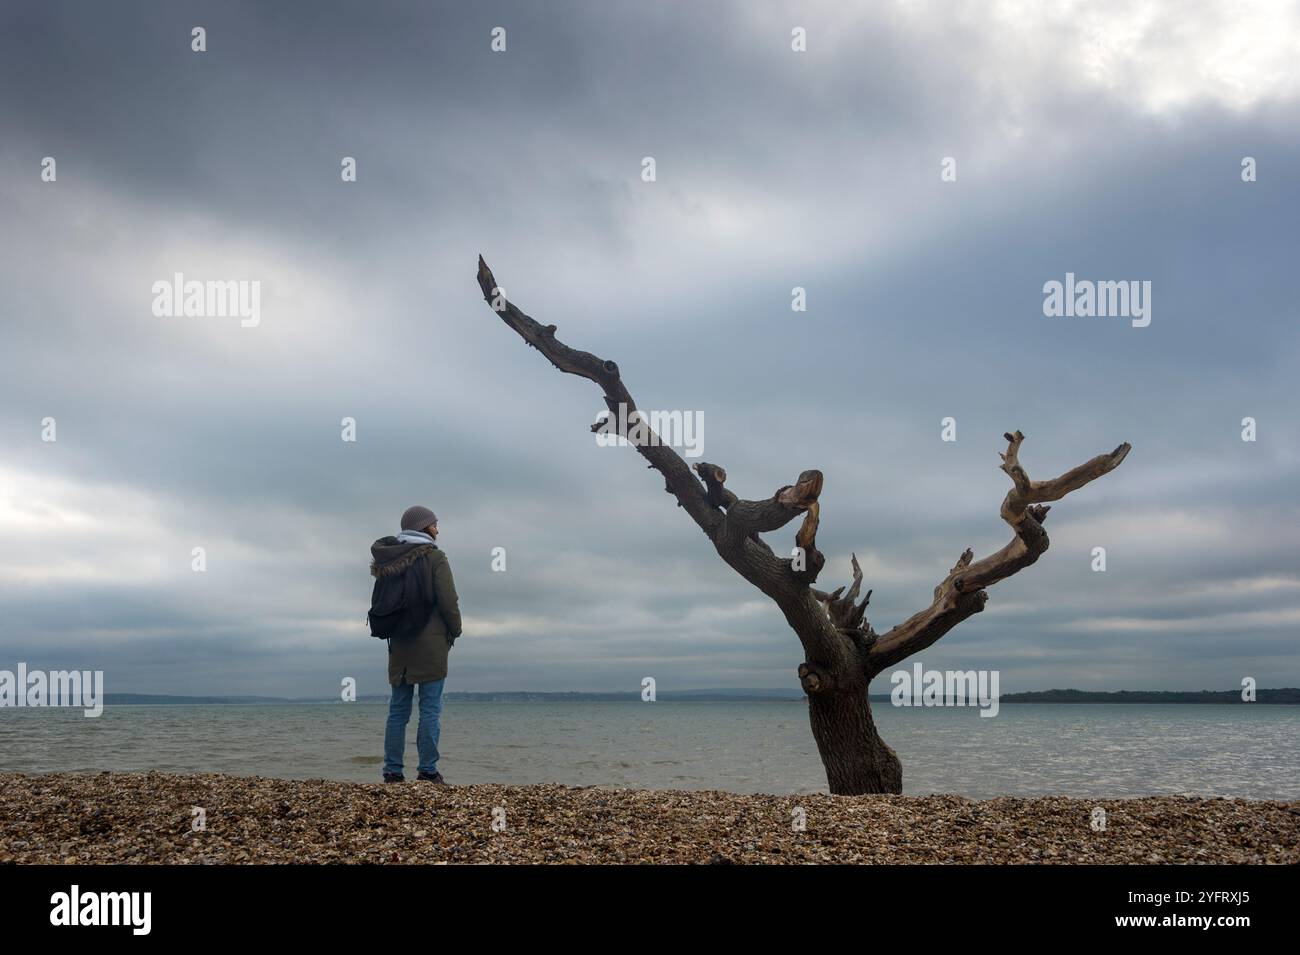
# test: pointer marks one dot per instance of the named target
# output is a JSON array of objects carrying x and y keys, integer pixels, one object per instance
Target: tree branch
[
  {"x": 843, "y": 611},
  {"x": 677, "y": 476},
  {"x": 745, "y": 520},
  {"x": 961, "y": 594},
  {"x": 832, "y": 627},
  {"x": 736, "y": 542}
]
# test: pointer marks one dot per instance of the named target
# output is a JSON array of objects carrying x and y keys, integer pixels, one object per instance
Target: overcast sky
[{"x": 1102, "y": 139}]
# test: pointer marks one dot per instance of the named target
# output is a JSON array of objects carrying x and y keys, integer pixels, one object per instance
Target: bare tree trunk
[
  {"x": 857, "y": 760},
  {"x": 842, "y": 654}
]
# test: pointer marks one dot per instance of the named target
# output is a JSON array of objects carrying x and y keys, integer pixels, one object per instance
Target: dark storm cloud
[{"x": 775, "y": 170}]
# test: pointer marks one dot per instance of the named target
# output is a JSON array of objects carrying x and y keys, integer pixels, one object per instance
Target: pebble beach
[{"x": 146, "y": 818}]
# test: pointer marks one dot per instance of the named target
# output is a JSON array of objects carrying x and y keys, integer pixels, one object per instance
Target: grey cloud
[{"x": 924, "y": 300}]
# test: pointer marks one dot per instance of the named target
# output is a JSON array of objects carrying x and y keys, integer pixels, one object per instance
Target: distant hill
[{"x": 1287, "y": 695}]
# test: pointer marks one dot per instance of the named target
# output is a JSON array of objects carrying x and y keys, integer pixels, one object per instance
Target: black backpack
[{"x": 400, "y": 604}]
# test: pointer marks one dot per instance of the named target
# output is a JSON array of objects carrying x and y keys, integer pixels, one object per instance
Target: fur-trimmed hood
[{"x": 390, "y": 556}]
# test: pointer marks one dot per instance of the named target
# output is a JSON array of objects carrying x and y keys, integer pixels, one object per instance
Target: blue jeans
[{"x": 426, "y": 734}]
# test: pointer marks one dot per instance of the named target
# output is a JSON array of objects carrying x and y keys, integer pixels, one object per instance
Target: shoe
[
  {"x": 394, "y": 778},
  {"x": 435, "y": 778}
]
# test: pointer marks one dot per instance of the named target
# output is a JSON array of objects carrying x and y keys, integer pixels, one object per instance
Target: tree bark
[
  {"x": 856, "y": 759},
  {"x": 842, "y": 653}
]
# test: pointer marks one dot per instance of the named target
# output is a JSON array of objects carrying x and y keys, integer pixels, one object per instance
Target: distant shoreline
[{"x": 1286, "y": 696}]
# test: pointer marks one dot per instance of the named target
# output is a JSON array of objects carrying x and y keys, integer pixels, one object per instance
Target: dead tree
[{"x": 842, "y": 652}]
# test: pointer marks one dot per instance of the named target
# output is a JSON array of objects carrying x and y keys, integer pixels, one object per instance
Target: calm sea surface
[{"x": 1104, "y": 750}]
